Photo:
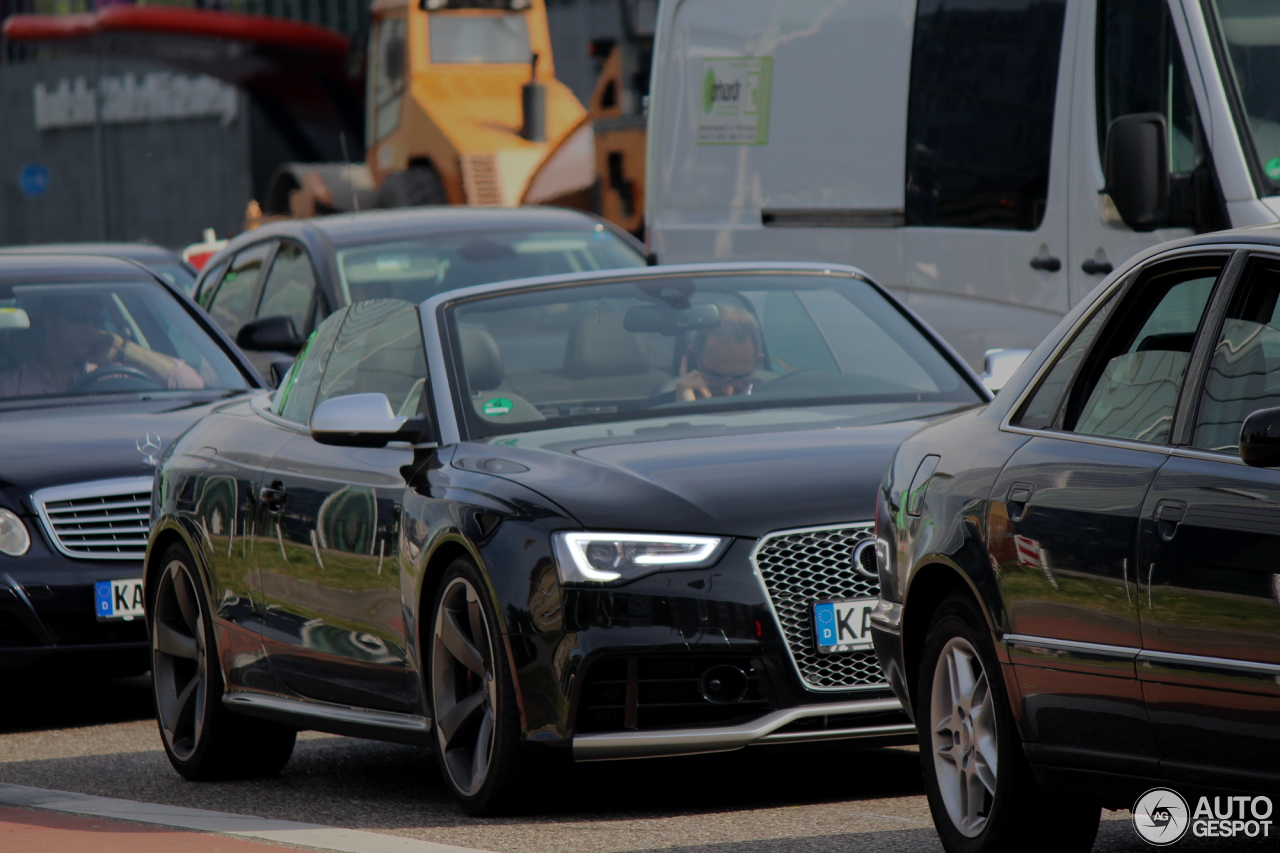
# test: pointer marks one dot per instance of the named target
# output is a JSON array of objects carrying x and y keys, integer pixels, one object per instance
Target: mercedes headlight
[
  {"x": 608, "y": 557},
  {"x": 14, "y": 539}
]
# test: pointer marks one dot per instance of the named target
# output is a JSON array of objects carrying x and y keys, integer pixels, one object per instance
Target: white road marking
[{"x": 248, "y": 826}]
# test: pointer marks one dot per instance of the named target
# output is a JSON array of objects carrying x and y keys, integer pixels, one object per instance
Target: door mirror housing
[
  {"x": 1260, "y": 439},
  {"x": 1137, "y": 170},
  {"x": 270, "y": 334},
  {"x": 365, "y": 420}
]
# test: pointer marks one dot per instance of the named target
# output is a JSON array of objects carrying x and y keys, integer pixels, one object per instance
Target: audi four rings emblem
[{"x": 148, "y": 445}]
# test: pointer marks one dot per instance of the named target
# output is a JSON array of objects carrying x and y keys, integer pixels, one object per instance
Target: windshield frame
[
  {"x": 444, "y": 357},
  {"x": 1263, "y": 185}
]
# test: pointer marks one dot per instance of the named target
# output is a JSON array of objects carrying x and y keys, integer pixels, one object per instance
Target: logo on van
[{"x": 715, "y": 91}]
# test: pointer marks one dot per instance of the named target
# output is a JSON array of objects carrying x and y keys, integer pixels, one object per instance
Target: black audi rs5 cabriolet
[{"x": 603, "y": 515}]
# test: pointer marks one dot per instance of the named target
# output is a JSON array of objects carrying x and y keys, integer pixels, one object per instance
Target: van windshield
[
  {"x": 655, "y": 346},
  {"x": 1251, "y": 36}
]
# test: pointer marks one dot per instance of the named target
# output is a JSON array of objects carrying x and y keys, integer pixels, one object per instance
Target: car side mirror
[
  {"x": 270, "y": 334},
  {"x": 999, "y": 366},
  {"x": 364, "y": 420},
  {"x": 1260, "y": 439},
  {"x": 1137, "y": 170}
]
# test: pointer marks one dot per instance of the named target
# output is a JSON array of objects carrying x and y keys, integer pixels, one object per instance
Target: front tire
[
  {"x": 414, "y": 187},
  {"x": 204, "y": 741},
  {"x": 477, "y": 721},
  {"x": 981, "y": 790}
]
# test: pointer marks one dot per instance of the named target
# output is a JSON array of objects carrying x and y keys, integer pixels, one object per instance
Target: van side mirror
[
  {"x": 1137, "y": 170},
  {"x": 1260, "y": 439},
  {"x": 270, "y": 334},
  {"x": 365, "y": 420}
]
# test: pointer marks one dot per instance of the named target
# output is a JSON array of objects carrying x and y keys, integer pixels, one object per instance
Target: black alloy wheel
[
  {"x": 981, "y": 790},
  {"x": 477, "y": 721},
  {"x": 203, "y": 740}
]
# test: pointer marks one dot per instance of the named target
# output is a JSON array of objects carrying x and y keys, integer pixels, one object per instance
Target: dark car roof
[
  {"x": 133, "y": 251},
  {"x": 50, "y": 267},
  {"x": 353, "y": 228}
]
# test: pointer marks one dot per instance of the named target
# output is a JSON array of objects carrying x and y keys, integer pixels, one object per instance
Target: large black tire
[
  {"x": 473, "y": 698},
  {"x": 414, "y": 187},
  {"x": 204, "y": 741},
  {"x": 981, "y": 791}
]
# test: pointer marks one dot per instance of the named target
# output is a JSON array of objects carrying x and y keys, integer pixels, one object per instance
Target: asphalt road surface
[{"x": 99, "y": 738}]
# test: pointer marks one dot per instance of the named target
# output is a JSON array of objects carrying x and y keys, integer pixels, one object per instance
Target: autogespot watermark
[{"x": 1162, "y": 817}]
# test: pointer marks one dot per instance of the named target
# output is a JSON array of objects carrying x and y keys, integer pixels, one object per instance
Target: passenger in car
[
  {"x": 74, "y": 345},
  {"x": 722, "y": 360}
]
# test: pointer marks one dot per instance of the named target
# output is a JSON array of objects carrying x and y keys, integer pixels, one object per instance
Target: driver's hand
[
  {"x": 107, "y": 348},
  {"x": 690, "y": 385}
]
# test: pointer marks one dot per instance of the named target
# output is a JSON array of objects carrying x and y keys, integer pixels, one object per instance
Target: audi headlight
[
  {"x": 14, "y": 539},
  {"x": 608, "y": 557}
]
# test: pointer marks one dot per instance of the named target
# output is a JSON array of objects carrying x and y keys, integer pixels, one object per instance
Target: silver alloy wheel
[
  {"x": 963, "y": 725},
  {"x": 463, "y": 690},
  {"x": 179, "y": 662}
]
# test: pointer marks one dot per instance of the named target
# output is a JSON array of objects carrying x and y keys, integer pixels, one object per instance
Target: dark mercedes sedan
[
  {"x": 102, "y": 365},
  {"x": 270, "y": 287},
  {"x": 599, "y": 516},
  {"x": 1079, "y": 590}
]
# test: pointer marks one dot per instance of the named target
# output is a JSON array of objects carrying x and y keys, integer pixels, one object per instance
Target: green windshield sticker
[
  {"x": 496, "y": 406},
  {"x": 1273, "y": 168}
]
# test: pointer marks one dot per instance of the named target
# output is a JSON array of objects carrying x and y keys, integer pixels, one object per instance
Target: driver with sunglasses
[
  {"x": 723, "y": 360},
  {"x": 75, "y": 346}
]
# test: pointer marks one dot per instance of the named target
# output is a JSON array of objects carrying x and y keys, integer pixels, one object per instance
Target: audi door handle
[
  {"x": 1019, "y": 497},
  {"x": 1168, "y": 515},
  {"x": 273, "y": 497},
  {"x": 1046, "y": 264},
  {"x": 1092, "y": 267}
]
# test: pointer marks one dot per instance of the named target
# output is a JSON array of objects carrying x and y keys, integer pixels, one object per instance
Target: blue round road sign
[{"x": 33, "y": 180}]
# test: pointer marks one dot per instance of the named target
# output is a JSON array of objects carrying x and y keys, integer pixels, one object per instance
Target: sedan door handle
[
  {"x": 1019, "y": 497},
  {"x": 1046, "y": 263},
  {"x": 273, "y": 497},
  {"x": 1168, "y": 516},
  {"x": 1092, "y": 267}
]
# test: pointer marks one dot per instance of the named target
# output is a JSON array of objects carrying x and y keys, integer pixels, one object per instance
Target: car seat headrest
[
  {"x": 599, "y": 346},
  {"x": 482, "y": 358}
]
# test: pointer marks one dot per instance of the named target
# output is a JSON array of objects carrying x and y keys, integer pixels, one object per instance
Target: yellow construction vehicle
[{"x": 461, "y": 106}]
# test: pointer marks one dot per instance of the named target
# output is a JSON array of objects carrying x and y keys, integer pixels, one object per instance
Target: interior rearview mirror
[
  {"x": 1137, "y": 170},
  {"x": 270, "y": 334},
  {"x": 364, "y": 420},
  {"x": 668, "y": 321},
  {"x": 1260, "y": 439}
]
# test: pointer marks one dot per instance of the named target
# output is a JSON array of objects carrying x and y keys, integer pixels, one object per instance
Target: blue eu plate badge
[
  {"x": 843, "y": 626},
  {"x": 120, "y": 599}
]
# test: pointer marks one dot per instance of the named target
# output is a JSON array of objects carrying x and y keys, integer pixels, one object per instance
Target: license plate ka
[
  {"x": 843, "y": 626},
  {"x": 120, "y": 599}
]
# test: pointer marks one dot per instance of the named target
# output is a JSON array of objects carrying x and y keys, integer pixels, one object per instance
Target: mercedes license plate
[
  {"x": 843, "y": 626},
  {"x": 118, "y": 599}
]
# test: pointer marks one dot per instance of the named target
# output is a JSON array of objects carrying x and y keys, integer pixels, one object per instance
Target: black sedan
[
  {"x": 599, "y": 516},
  {"x": 269, "y": 288},
  {"x": 1079, "y": 591},
  {"x": 102, "y": 364}
]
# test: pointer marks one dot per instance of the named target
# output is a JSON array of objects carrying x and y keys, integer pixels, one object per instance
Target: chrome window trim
[
  {"x": 1122, "y": 443},
  {"x": 777, "y": 621},
  {"x": 261, "y": 404},
  {"x": 80, "y": 491},
  {"x": 1102, "y": 649},
  {"x": 1121, "y": 278},
  {"x": 1231, "y": 664}
]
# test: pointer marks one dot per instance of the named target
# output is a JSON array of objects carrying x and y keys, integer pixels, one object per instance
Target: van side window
[
  {"x": 984, "y": 78},
  {"x": 1140, "y": 70}
]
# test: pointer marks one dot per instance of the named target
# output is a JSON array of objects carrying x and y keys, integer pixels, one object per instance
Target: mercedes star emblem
[{"x": 148, "y": 445}]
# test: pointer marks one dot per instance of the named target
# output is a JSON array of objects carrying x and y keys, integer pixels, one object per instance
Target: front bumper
[
  {"x": 858, "y": 719},
  {"x": 886, "y": 634}
]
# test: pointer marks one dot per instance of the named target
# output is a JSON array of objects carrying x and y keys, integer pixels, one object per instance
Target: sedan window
[
  {"x": 1244, "y": 372},
  {"x": 659, "y": 345},
  {"x": 289, "y": 286},
  {"x": 1130, "y": 382},
  {"x": 378, "y": 350},
  {"x": 297, "y": 397},
  {"x": 233, "y": 302}
]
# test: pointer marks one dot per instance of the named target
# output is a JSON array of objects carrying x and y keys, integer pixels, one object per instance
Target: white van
[{"x": 955, "y": 149}]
